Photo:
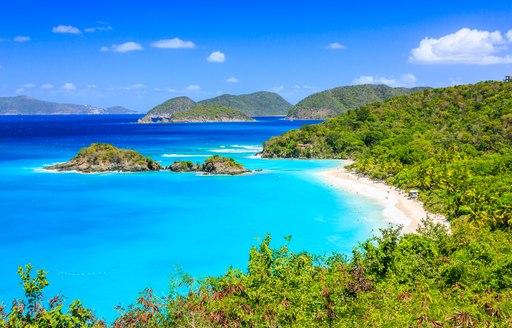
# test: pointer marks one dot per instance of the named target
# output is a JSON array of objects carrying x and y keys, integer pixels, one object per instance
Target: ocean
[{"x": 103, "y": 238}]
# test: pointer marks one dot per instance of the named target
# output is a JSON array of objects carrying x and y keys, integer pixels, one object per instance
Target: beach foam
[{"x": 185, "y": 155}]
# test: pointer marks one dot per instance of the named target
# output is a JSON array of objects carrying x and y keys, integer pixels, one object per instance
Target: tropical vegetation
[{"x": 453, "y": 144}]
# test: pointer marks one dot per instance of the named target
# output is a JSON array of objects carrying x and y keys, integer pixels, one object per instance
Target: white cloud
[
  {"x": 91, "y": 86},
  {"x": 21, "y": 38},
  {"x": 47, "y": 86},
  {"x": 175, "y": 43},
  {"x": 464, "y": 47},
  {"x": 232, "y": 80},
  {"x": 124, "y": 47},
  {"x": 136, "y": 86},
  {"x": 20, "y": 90},
  {"x": 193, "y": 88},
  {"x": 29, "y": 85},
  {"x": 278, "y": 88},
  {"x": 66, "y": 29},
  {"x": 335, "y": 45},
  {"x": 304, "y": 87},
  {"x": 406, "y": 80},
  {"x": 216, "y": 57},
  {"x": 98, "y": 28},
  {"x": 68, "y": 86}
]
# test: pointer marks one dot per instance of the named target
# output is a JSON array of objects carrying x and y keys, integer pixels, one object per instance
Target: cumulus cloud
[
  {"x": 97, "y": 28},
  {"x": 193, "y": 88},
  {"x": 465, "y": 47},
  {"x": 406, "y": 80},
  {"x": 278, "y": 88},
  {"x": 124, "y": 47},
  {"x": 175, "y": 43},
  {"x": 216, "y": 57},
  {"x": 335, "y": 45},
  {"x": 47, "y": 86},
  {"x": 68, "y": 86},
  {"x": 21, "y": 38},
  {"x": 232, "y": 80},
  {"x": 66, "y": 29}
]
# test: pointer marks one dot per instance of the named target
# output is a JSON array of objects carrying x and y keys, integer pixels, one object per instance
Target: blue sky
[{"x": 140, "y": 53}]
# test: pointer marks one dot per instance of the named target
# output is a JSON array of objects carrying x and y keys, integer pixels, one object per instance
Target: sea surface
[{"x": 103, "y": 238}]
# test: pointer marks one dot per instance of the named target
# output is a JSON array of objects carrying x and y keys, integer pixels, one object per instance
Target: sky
[{"x": 138, "y": 54}]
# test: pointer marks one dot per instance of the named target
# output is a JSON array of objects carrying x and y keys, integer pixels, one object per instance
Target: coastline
[{"x": 398, "y": 207}]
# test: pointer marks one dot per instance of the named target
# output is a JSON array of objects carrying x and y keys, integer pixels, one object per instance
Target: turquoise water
[{"x": 105, "y": 237}]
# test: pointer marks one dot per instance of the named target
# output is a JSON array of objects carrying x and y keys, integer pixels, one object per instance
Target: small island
[
  {"x": 211, "y": 113},
  {"x": 212, "y": 165},
  {"x": 99, "y": 157}
]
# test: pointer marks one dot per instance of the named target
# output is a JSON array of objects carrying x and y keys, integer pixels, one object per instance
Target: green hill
[
  {"x": 255, "y": 104},
  {"x": 210, "y": 113},
  {"x": 167, "y": 108},
  {"x": 453, "y": 144},
  {"x": 23, "y": 105},
  {"x": 333, "y": 102}
]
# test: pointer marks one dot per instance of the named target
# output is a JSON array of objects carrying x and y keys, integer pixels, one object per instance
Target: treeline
[
  {"x": 453, "y": 144},
  {"x": 429, "y": 279}
]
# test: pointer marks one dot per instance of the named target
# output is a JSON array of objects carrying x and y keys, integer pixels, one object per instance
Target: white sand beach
[{"x": 398, "y": 207}]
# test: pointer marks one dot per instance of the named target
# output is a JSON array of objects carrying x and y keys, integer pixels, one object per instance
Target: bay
[{"x": 103, "y": 238}]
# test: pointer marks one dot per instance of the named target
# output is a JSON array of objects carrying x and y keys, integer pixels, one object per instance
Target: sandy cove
[{"x": 398, "y": 207}]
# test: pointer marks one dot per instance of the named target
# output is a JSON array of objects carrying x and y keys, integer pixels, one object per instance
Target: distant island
[
  {"x": 261, "y": 103},
  {"x": 24, "y": 105},
  {"x": 334, "y": 102},
  {"x": 164, "y": 111},
  {"x": 198, "y": 113},
  {"x": 100, "y": 158},
  {"x": 211, "y": 113},
  {"x": 255, "y": 104}
]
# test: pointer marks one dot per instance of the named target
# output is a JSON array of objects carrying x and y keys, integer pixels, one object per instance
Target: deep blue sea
[{"x": 103, "y": 238}]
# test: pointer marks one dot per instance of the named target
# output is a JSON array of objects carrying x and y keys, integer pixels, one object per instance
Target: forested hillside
[{"x": 453, "y": 144}]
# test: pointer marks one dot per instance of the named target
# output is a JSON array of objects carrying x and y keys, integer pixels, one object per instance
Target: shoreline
[{"x": 398, "y": 207}]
